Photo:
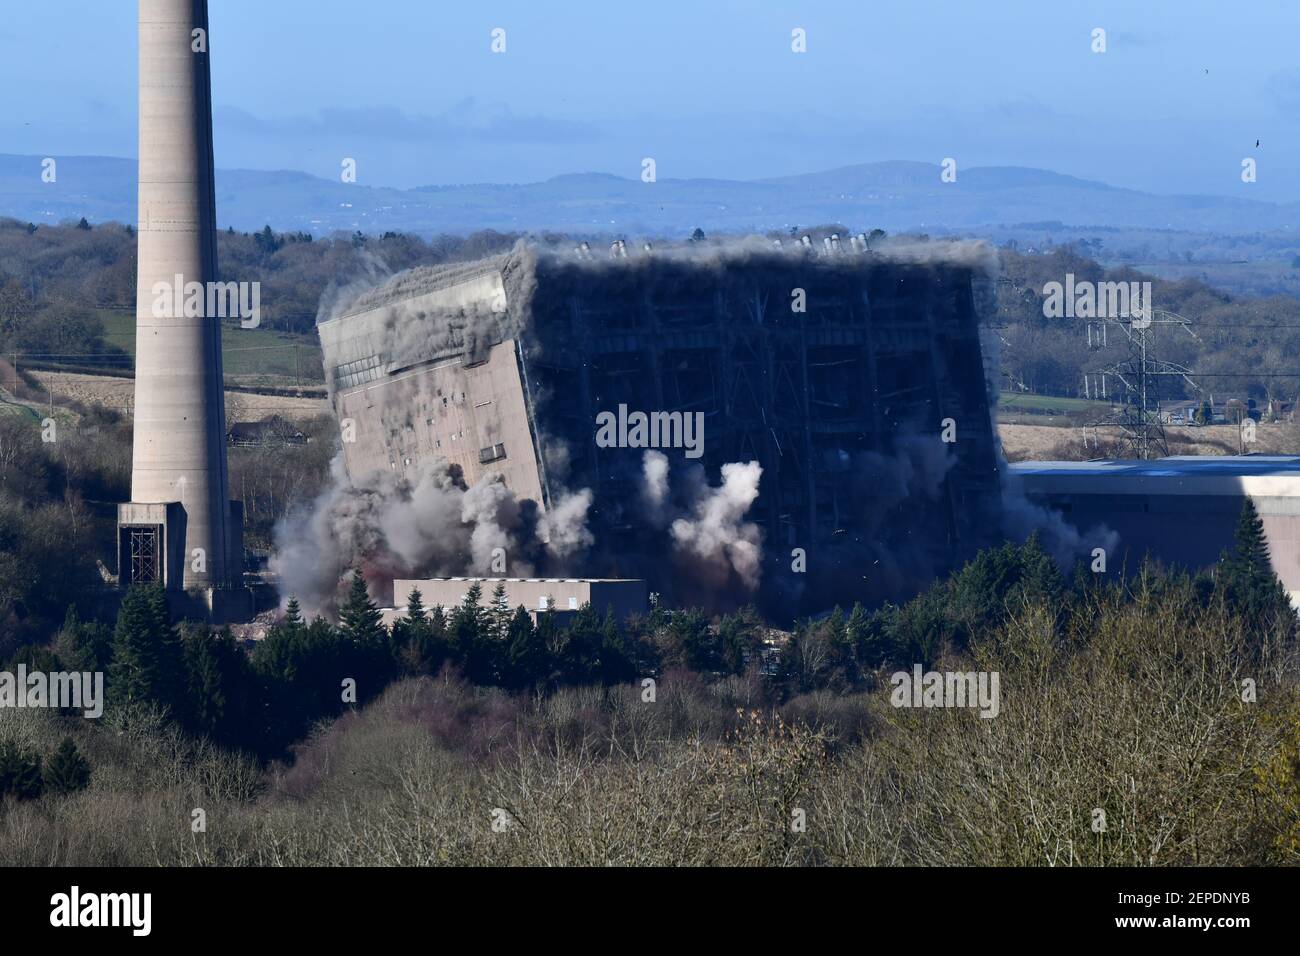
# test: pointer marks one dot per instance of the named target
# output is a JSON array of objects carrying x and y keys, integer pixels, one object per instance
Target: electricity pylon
[{"x": 1133, "y": 384}]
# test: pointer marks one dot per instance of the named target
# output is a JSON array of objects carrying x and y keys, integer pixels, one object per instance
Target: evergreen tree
[
  {"x": 917, "y": 632},
  {"x": 866, "y": 634},
  {"x": 469, "y": 636},
  {"x": 292, "y": 614},
  {"x": 432, "y": 641},
  {"x": 146, "y": 662},
  {"x": 415, "y": 606},
  {"x": 300, "y": 670},
  {"x": 843, "y": 661},
  {"x": 1250, "y": 551},
  {"x": 415, "y": 647},
  {"x": 67, "y": 770},
  {"x": 579, "y": 658},
  {"x": 700, "y": 648},
  {"x": 266, "y": 241},
  {"x": 366, "y": 654},
  {"x": 205, "y": 700},
  {"x": 35, "y": 658},
  {"x": 359, "y": 617},
  {"x": 20, "y": 772},
  {"x": 1246, "y": 578},
  {"x": 499, "y": 613},
  {"x": 616, "y": 663},
  {"x": 222, "y": 696},
  {"x": 551, "y": 639},
  {"x": 1040, "y": 578},
  {"x": 84, "y": 645},
  {"x": 527, "y": 664},
  {"x": 741, "y": 638}
]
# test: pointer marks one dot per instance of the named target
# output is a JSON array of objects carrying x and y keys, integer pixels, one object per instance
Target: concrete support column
[{"x": 179, "y": 450}]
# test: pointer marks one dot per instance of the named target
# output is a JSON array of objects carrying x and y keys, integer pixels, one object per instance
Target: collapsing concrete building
[{"x": 854, "y": 379}]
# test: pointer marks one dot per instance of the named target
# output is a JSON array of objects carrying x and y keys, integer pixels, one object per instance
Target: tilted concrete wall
[{"x": 445, "y": 410}]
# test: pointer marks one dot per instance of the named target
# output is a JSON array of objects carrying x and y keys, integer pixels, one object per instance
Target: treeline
[
  {"x": 303, "y": 672},
  {"x": 1168, "y": 703},
  {"x": 841, "y": 651},
  {"x": 1242, "y": 348},
  {"x": 51, "y": 531},
  {"x": 271, "y": 478},
  {"x": 58, "y": 497},
  {"x": 53, "y": 279}
]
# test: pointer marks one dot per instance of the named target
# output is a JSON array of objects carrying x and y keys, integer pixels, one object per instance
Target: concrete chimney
[{"x": 179, "y": 486}]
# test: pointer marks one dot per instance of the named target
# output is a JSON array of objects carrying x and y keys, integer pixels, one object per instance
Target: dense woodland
[
  {"x": 58, "y": 504},
  {"x": 1241, "y": 348},
  {"x": 475, "y": 736},
  {"x": 51, "y": 276}
]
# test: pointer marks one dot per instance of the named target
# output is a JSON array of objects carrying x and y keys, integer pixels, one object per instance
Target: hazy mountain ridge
[{"x": 897, "y": 195}]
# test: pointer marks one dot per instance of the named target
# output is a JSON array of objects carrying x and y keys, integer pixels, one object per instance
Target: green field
[
  {"x": 249, "y": 354},
  {"x": 1045, "y": 404},
  {"x": 1020, "y": 407}
]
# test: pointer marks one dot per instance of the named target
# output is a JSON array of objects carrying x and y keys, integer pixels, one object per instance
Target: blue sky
[{"x": 709, "y": 88}]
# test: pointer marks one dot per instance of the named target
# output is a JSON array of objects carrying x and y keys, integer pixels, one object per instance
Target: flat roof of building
[
  {"x": 1255, "y": 475},
  {"x": 1173, "y": 466},
  {"x": 420, "y": 281},
  {"x": 530, "y": 580}
]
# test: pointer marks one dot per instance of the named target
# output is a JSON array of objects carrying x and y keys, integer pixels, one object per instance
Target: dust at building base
[{"x": 847, "y": 449}]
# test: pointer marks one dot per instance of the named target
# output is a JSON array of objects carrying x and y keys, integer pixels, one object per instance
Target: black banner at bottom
[{"x": 219, "y": 905}]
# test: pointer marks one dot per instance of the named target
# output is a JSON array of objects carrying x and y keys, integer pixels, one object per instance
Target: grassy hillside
[{"x": 249, "y": 355}]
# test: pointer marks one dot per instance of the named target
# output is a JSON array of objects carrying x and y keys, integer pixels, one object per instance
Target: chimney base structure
[{"x": 180, "y": 529}]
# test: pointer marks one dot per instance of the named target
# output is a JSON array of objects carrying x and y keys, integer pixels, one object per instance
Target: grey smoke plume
[
  {"x": 716, "y": 535},
  {"x": 414, "y": 330},
  {"x": 896, "y": 493},
  {"x": 654, "y": 488},
  {"x": 337, "y": 297},
  {"x": 490, "y": 509},
  {"x": 1021, "y": 517},
  {"x": 390, "y": 527},
  {"x": 919, "y": 463},
  {"x": 563, "y": 528},
  {"x": 1066, "y": 544},
  {"x": 710, "y": 536}
]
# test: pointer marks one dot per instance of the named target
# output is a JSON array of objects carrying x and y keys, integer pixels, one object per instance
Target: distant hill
[{"x": 890, "y": 195}]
